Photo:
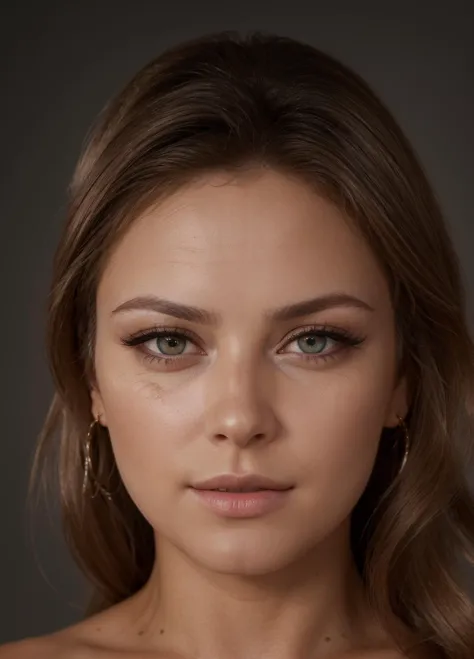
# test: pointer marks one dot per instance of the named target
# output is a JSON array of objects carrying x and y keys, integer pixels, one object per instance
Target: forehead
[{"x": 242, "y": 237}]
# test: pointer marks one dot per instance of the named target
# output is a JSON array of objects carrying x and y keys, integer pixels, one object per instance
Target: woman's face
[{"x": 239, "y": 392}]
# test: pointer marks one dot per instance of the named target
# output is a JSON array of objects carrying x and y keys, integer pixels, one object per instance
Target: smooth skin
[{"x": 241, "y": 394}]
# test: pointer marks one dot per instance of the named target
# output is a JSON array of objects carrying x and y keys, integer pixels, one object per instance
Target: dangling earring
[
  {"x": 88, "y": 470},
  {"x": 403, "y": 425}
]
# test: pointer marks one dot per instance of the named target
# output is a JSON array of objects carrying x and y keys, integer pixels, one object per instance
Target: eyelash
[{"x": 341, "y": 336}]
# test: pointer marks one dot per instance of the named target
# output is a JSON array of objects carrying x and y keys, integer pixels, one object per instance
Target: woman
[{"x": 264, "y": 375}]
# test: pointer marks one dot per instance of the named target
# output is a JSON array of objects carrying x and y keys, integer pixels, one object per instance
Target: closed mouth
[
  {"x": 242, "y": 490},
  {"x": 222, "y": 489}
]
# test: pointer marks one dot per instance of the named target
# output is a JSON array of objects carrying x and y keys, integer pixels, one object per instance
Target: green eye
[
  {"x": 172, "y": 343},
  {"x": 313, "y": 342}
]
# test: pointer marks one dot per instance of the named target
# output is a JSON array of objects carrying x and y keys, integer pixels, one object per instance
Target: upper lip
[{"x": 246, "y": 483}]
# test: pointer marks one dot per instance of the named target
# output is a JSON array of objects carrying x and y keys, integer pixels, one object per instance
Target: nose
[{"x": 240, "y": 403}]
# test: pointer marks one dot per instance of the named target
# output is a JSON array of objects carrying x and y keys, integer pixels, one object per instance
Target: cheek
[
  {"x": 336, "y": 425},
  {"x": 149, "y": 432}
]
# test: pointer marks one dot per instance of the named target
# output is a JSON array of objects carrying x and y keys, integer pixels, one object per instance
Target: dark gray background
[{"x": 60, "y": 62}]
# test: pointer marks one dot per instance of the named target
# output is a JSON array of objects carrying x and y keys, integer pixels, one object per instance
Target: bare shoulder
[
  {"x": 45, "y": 647},
  {"x": 58, "y": 645},
  {"x": 74, "y": 642},
  {"x": 98, "y": 636},
  {"x": 419, "y": 654}
]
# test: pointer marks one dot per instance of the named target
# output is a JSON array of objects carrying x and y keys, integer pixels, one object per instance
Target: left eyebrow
[
  {"x": 206, "y": 317},
  {"x": 314, "y": 305}
]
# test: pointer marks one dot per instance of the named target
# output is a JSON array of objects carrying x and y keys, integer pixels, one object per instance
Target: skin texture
[{"x": 243, "y": 398}]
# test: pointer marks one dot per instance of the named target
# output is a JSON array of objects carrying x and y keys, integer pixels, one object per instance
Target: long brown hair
[{"x": 228, "y": 102}]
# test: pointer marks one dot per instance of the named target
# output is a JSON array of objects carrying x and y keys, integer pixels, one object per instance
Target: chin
[{"x": 243, "y": 552}]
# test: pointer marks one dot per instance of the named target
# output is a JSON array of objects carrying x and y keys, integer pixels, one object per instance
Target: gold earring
[
  {"x": 88, "y": 470},
  {"x": 403, "y": 425}
]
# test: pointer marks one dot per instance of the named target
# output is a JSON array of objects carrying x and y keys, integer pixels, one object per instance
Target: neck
[{"x": 316, "y": 604}]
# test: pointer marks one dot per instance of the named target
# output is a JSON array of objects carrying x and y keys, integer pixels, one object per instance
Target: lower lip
[{"x": 242, "y": 504}]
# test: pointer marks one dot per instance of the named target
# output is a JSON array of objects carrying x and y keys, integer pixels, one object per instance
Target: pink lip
[
  {"x": 241, "y": 482},
  {"x": 242, "y": 504}
]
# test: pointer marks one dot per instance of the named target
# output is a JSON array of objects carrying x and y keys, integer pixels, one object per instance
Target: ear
[
  {"x": 399, "y": 403},
  {"x": 97, "y": 406}
]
